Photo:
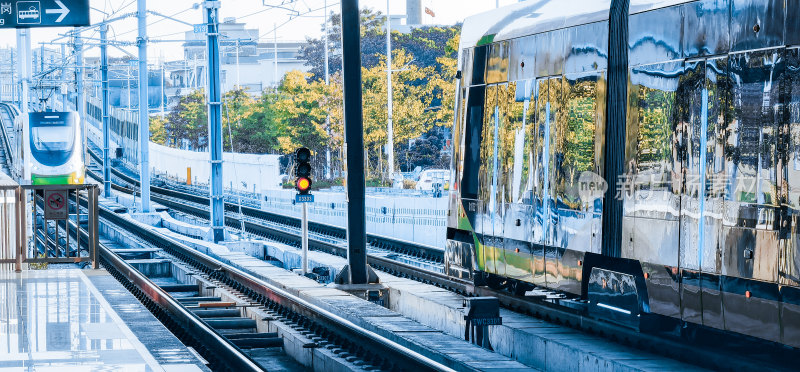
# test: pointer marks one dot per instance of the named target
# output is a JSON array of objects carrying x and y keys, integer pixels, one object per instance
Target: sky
[{"x": 260, "y": 14}]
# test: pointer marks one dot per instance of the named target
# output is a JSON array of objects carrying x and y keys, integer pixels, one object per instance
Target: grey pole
[
  {"x": 105, "y": 108},
  {"x": 13, "y": 83},
  {"x": 80, "y": 102},
  {"x": 215, "y": 121},
  {"x": 144, "y": 118},
  {"x": 64, "y": 94},
  {"x": 304, "y": 240},
  {"x": 327, "y": 116},
  {"x": 275, "y": 55},
  {"x": 354, "y": 142},
  {"x": 24, "y": 60},
  {"x": 389, "y": 105}
]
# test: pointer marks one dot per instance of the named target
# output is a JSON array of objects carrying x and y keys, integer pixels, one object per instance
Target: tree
[
  {"x": 237, "y": 105},
  {"x": 426, "y": 44},
  {"x": 189, "y": 121},
  {"x": 158, "y": 132}
]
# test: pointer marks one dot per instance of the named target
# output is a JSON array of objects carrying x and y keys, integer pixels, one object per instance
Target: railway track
[
  {"x": 217, "y": 328},
  {"x": 738, "y": 354},
  {"x": 7, "y": 115}
]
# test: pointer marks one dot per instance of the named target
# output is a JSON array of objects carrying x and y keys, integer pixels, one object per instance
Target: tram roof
[{"x": 536, "y": 16}]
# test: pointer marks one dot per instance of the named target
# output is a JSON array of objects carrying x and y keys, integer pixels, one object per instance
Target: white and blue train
[{"x": 49, "y": 148}]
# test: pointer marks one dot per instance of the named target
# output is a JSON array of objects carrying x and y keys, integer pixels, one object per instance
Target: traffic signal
[{"x": 302, "y": 170}]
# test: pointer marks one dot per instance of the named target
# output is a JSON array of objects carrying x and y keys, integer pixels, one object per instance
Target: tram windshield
[{"x": 52, "y": 136}]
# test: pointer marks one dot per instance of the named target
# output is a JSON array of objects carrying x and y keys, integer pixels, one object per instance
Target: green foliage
[
  {"x": 158, "y": 133},
  {"x": 304, "y": 111}
]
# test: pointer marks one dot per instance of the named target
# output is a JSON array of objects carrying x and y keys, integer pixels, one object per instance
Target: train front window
[{"x": 52, "y": 138}]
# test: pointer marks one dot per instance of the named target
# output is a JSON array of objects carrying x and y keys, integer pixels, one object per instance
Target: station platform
[{"x": 82, "y": 320}]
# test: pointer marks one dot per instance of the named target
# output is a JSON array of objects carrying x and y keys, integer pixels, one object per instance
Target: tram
[
  {"x": 50, "y": 148},
  {"x": 709, "y": 188}
]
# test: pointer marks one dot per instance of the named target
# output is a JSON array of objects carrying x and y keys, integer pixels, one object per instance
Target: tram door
[
  {"x": 703, "y": 94},
  {"x": 546, "y": 233}
]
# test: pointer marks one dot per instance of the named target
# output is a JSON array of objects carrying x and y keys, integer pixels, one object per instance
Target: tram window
[
  {"x": 792, "y": 84},
  {"x": 472, "y": 142},
  {"x": 522, "y": 179},
  {"x": 755, "y": 99},
  {"x": 488, "y": 147},
  {"x": 479, "y": 64},
  {"x": 653, "y": 106},
  {"x": 509, "y": 123},
  {"x": 579, "y": 136},
  {"x": 497, "y": 63},
  {"x": 654, "y": 36}
]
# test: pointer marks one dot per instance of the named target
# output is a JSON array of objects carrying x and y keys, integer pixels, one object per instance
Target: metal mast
[
  {"x": 389, "y": 124},
  {"x": 104, "y": 87},
  {"x": 215, "y": 121},
  {"x": 144, "y": 118}
]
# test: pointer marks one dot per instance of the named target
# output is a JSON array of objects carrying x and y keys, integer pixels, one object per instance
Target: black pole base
[{"x": 344, "y": 276}]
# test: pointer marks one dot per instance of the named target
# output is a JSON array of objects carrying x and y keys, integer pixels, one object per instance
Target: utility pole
[
  {"x": 354, "y": 143},
  {"x": 163, "y": 98},
  {"x": 144, "y": 118},
  {"x": 104, "y": 87},
  {"x": 389, "y": 126},
  {"x": 215, "y": 121},
  {"x": 13, "y": 83},
  {"x": 327, "y": 115},
  {"x": 64, "y": 95},
  {"x": 80, "y": 100},
  {"x": 275, "y": 54},
  {"x": 24, "y": 59}
]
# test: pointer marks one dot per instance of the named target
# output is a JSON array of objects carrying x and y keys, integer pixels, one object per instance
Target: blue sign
[
  {"x": 43, "y": 13},
  {"x": 307, "y": 198}
]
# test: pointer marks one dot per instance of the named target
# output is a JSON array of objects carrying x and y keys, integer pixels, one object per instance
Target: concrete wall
[
  {"x": 419, "y": 219},
  {"x": 257, "y": 172}
]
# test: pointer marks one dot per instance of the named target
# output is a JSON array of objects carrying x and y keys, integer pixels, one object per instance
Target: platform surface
[{"x": 82, "y": 320}]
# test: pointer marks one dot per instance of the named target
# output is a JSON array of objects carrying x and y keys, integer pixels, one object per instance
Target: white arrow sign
[{"x": 63, "y": 11}]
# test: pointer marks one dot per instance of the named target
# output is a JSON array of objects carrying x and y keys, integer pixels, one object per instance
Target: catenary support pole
[
  {"x": 144, "y": 117},
  {"x": 327, "y": 115},
  {"x": 23, "y": 58},
  {"x": 389, "y": 94},
  {"x": 105, "y": 108},
  {"x": 354, "y": 142},
  {"x": 64, "y": 95},
  {"x": 80, "y": 98},
  {"x": 215, "y": 121}
]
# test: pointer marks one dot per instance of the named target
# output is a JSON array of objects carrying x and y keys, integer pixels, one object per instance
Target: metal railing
[
  {"x": 52, "y": 241},
  {"x": 12, "y": 222}
]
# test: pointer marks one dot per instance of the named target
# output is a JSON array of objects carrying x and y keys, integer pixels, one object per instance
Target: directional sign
[
  {"x": 43, "y": 13},
  {"x": 55, "y": 204}
]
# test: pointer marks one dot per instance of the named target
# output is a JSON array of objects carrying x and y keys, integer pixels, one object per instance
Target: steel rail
[
  {"x": 6, "y": 143},
  {"x": 669, "y": 347},
  {"x": 220, "y": 350},
  {"x": 665, "y": 345},
  {"x": 264, "y": 292}
]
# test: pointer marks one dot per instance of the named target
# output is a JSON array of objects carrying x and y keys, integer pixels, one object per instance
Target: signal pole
[
  {"x": 144, "y": 118},
  {"x": 215, "y": 121}
]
